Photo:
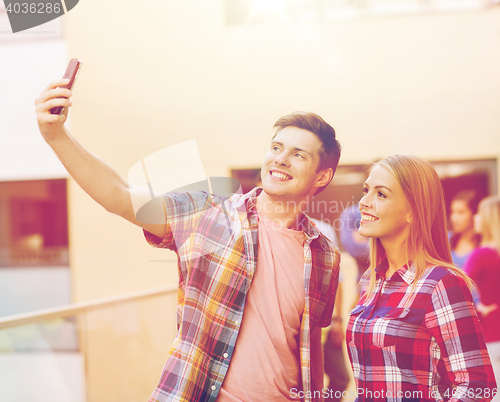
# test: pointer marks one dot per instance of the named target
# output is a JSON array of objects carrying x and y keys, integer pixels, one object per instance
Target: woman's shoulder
[
  {"x": 447, "y": 286},
  {"x": 438, "y": 271},
  {"x": 443, "y": 274}
]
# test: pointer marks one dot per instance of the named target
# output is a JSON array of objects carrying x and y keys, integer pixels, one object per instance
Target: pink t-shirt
[{"x": 266, "y": 364}]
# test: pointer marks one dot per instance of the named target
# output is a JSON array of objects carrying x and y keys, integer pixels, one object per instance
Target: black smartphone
[{"x": 71, "y": 74}]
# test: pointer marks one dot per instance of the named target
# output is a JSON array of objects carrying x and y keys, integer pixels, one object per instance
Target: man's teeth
[
  {"x": 280, "y": 175},
  {"x": 368, "y": 217}
]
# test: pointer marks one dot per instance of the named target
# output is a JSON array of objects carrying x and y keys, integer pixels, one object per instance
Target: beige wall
[{"x": 162, "y": 72}]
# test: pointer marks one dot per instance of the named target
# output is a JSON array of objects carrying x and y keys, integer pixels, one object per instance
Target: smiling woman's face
[{"x": 383, "y": 207}]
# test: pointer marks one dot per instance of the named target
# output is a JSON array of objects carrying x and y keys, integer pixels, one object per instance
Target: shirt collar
[
  {"x": 310, "y": 229},
  {"x": 407, "y": 274},
  {"x": 251, "y": 196}
]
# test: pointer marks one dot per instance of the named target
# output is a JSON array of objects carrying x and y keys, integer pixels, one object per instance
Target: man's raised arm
[{"x": 93, "y": 175}]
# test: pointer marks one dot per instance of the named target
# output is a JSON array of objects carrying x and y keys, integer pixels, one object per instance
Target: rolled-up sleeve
[{"x": 182, "y": 211}]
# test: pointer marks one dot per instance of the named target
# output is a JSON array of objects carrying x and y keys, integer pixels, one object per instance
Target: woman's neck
[
  {"x": 396, "y": 256},
  {"x": 467, "y": 235},
  {"x": 465, "y": 243}
]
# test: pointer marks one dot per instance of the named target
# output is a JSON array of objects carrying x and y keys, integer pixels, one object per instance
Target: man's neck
[{"x": 286, "y": 212}]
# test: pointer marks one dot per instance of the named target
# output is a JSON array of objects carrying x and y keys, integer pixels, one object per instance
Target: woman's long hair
[
  {"x": 489, "y": 211},
  {"x": 427, "y": 243}
]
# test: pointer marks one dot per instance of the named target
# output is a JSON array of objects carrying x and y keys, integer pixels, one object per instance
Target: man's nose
[{"x": 282, "y": 159}]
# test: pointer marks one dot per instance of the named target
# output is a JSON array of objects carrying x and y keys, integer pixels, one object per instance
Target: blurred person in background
[
  {"x": 414, "y": 334},
  {"x": 463, "y": 239},
  {"x": 351, "y": 241},
  {"x": 483, "y": 267}
]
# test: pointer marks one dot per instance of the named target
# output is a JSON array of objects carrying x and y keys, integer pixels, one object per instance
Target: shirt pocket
[
  {"x": 385, "y": 329},
  {"x": 358, "y": 309}
]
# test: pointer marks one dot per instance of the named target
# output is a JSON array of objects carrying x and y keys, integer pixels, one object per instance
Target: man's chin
[{"x": 274, "y": 192}]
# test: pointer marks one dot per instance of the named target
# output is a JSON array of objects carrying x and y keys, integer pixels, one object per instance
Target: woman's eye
[{"x": 381, "y": 194}]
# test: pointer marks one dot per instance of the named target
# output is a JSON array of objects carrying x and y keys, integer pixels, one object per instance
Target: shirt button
[
  {"x": 387, "y": 315},
  {"x": 237, "y": 323},
  {"x": 213, "y": 387},
  {"x": 225, "y": 355}
]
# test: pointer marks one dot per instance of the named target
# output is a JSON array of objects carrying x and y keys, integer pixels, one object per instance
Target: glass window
[{"x": 33, "y": 223}]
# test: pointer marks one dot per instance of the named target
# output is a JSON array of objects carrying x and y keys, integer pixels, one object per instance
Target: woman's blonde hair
[
  {"x": 427, "y": 242},
  {"x": 489, "y": 211}
]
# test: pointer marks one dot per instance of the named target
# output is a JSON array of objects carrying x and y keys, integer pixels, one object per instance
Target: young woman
[
  {"x": 463, "y": 238},
  {"x": 414, "y": 334},
  {"x": 483, "y": 266}
]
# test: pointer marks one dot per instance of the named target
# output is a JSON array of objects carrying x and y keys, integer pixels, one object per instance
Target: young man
[{"x": 257, "y": 280}]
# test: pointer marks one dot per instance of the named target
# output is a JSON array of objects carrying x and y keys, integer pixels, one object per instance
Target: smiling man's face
[{"x": 290, "y": 167}]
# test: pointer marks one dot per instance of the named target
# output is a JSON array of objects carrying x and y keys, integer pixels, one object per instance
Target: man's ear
[{"x": 325, "y": 178}]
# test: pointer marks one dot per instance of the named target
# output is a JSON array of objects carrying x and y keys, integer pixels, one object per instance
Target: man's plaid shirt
[
  {"x": 410, "y": 344},
  {"x": 216, "y": 243}
]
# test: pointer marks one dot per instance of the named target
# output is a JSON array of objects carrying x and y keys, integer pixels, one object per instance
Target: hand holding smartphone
[{"x": 71, "y": 74}]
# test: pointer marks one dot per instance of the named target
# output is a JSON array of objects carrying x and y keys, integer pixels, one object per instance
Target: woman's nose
[{"x": 364, "y": 201}]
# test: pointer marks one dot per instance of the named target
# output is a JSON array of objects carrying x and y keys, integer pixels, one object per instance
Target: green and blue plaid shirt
[{"x": 216, "y": 243}]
